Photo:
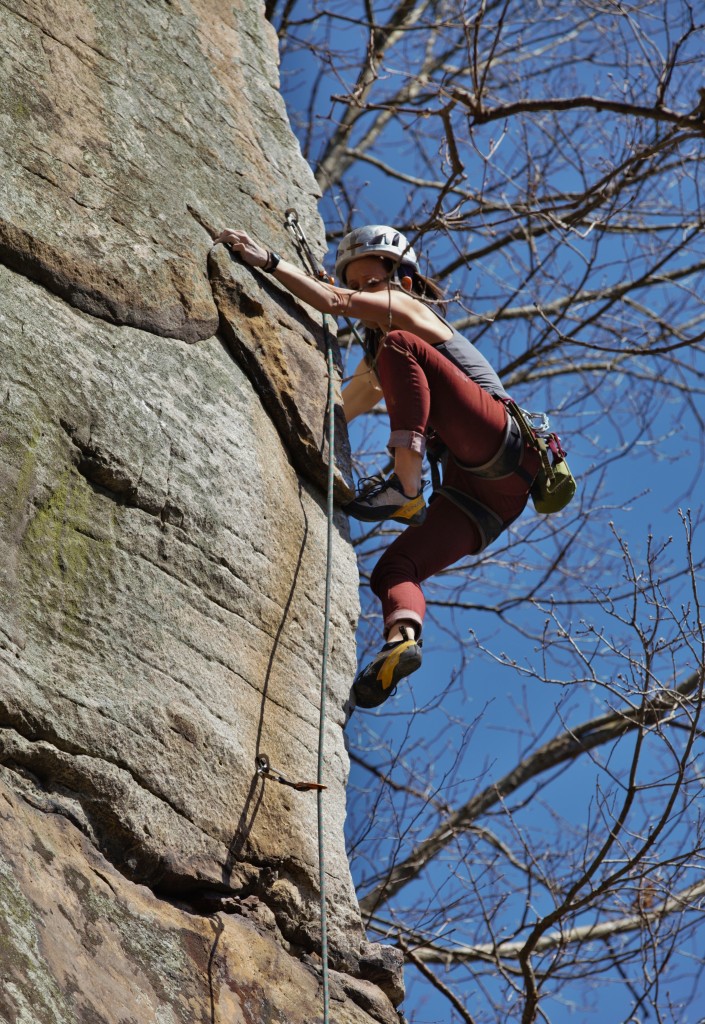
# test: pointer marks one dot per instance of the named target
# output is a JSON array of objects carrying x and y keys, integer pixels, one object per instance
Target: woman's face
[{"x": 368, "y": 273}]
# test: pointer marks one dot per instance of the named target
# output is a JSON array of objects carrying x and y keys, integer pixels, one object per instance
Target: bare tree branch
[
  {"x": 569, "y": 745},
  {"x": 681, "y": 902},
  {"x": 693, "y": 119}
]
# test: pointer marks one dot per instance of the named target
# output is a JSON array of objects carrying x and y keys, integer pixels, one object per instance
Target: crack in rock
[{"x": 110, "y": 476}]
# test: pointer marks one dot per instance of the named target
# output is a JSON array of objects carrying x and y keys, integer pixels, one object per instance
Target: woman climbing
[{"x": 439, "y": 389}]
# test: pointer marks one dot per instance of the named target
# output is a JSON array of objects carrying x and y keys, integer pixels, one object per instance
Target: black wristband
[{"x": 273, "y": 261}]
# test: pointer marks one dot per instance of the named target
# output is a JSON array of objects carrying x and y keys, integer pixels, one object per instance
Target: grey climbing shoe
[{"x": 379, "y": 499}]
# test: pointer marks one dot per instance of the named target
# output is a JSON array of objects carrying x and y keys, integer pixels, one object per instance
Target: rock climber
[{"x": 440, "y": 392}]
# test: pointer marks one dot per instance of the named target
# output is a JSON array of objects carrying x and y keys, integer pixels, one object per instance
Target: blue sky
[{"x": 496, "y": 684}]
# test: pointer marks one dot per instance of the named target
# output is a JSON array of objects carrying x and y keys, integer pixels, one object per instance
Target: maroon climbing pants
[{"x": 426, "y": 391}]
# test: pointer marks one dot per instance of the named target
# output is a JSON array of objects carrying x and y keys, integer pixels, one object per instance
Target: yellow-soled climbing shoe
[
  {"x": 377, "y": 681},
  {"x": 381, "y": 499}
]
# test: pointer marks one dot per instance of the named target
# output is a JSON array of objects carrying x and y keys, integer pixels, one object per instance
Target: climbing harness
[
  {"x": 488, "y": 524},
  {"x": 551, "y": 489},
  {"x": 265, "y": 771},
  {"x": 307, "y": 257}
]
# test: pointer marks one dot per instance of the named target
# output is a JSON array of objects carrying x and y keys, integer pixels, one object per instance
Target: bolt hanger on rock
[{"x": 265, "y": 771}]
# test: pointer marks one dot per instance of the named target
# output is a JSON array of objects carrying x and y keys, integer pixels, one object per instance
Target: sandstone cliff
[{"x": 162, "y": 536}]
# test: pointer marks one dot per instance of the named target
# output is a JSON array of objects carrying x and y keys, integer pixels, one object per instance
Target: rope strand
[
  {"x": 306, "y": 256},
  {"x": 324, "y": 666}
]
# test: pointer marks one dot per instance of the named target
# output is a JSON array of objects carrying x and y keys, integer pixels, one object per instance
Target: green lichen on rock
[
  {"x": 65, "y": 560},
  {"x": 29, "y": 993},
  {"x": 158, "y": 953},
  {"x": 26, "y": 475},
  {"x": 53, "y": 543}
]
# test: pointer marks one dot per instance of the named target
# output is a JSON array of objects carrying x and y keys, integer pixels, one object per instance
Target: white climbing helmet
[{"x": 374, "y": 240}]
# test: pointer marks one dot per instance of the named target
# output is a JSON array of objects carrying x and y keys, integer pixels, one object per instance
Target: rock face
[
  {"x": 162, "y": 537},
  {"x": 83, "y": 944}
]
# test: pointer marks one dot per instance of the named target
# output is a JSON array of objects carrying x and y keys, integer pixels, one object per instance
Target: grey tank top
[{"x": 463, "y": 354}]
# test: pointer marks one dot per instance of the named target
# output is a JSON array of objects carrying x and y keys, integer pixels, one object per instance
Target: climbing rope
[
  {"x": 307, "y": 257},
  {"x": 263, "y": 767},
  {"x": 324, "y": 664}
]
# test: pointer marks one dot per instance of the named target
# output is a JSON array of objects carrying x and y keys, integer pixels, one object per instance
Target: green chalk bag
[{"x": 554, "y": 486}]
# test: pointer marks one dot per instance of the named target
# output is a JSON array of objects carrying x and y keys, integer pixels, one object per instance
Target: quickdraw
[
  {"x": 291, "y": 219},
  {"x": 551, "y": 490},
  {"x": 307, "y": 257}
]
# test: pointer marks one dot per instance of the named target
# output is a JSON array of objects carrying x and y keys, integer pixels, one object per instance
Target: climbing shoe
[
  {"x": 378, "y": 681},
  {"x": 380, "y": 499}
]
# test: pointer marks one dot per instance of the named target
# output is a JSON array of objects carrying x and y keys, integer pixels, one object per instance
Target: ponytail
[
  {"x": 426, "y": 289},
  {"x": 423, "y": 287}
]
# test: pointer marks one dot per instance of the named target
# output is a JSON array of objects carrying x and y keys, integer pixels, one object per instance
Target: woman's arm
[
  {"x": 362, "y": 393},
  {"x": 319, "y": 294},
  {"x": 384, "y": 309}
]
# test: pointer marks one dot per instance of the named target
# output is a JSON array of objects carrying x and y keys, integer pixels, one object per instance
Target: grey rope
[
  {"x": 324, "y": 666},
  {"x": 307, "y": 257}
]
